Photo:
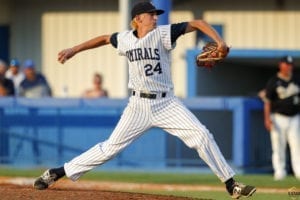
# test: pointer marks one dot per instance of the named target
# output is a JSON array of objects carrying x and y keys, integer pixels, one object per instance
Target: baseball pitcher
[{"x": 147, "y": 48}]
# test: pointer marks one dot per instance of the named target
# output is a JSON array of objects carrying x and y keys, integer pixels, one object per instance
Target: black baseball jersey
[{"x": 283, "y": 95}]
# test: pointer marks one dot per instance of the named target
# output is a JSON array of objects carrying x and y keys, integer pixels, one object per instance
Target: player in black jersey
[{"x": 282, "y": 117}]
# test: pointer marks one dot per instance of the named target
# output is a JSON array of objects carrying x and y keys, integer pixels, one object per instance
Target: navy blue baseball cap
[
  {"x": 14, "y": 63},
  {"x": 287, "y": 59},
  {"x": 144, "y": 7},
  {"x": 28, "y": 64}
]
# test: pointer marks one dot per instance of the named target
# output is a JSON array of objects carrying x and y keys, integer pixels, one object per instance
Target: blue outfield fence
[{"x": 50, "y": 131}]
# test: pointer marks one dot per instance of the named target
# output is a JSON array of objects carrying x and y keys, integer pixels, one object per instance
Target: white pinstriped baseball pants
[{"x": 140, "y": 115}]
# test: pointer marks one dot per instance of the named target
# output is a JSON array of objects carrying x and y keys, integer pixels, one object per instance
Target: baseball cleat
[
  {"x": 45, "y": 180},
  {"x": 241, "y": 190}
]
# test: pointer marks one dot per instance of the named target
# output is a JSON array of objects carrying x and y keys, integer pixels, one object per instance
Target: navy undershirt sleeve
[
  {"x": 113, "y": 40},
  {"x": 177, "y": 30}
]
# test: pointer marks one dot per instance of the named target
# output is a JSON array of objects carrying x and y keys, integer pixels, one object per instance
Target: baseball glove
[{"x": 210, "y": 55}]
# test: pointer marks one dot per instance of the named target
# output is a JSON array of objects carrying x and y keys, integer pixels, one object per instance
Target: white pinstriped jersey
[{"x": 148, "y": 58}]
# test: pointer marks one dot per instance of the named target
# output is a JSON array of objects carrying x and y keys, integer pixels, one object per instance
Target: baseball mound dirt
[
  {"x": 21, "y": 189},
  {"x": 16, "y": 192}
]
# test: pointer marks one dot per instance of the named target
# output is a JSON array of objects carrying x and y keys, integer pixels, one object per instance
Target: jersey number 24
[{"x": 151, "y": 70}]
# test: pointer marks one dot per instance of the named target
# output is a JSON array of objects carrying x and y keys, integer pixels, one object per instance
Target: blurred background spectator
[
  {"x": 15, "y": 74},
  {"x": 3, "y": 91},
  {"x": 35, "y": 84},
  {"x": 6, "y": 85},
  {"x": 97, "y": 90}
]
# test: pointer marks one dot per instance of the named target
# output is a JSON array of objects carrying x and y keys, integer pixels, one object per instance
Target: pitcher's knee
[
  {"x": 199, "y": 139},
  {"x": 110, "y": 150}
]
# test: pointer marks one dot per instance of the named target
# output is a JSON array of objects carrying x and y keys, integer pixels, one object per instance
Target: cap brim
[
  {"x": 287, "y": 62},
  {"x": 157, "y": 11}
]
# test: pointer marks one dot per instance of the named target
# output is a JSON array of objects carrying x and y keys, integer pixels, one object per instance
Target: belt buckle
[{"x": 148, "y": 95}]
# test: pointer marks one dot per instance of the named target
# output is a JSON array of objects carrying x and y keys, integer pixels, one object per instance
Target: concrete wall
[{"x": 258, "y": 29}]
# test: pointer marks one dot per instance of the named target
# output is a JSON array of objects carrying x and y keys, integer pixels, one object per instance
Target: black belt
[{"x": 149, "y": 95}]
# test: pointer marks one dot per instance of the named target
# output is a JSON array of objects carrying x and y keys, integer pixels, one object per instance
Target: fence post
[{"x": 4, "y": 140}]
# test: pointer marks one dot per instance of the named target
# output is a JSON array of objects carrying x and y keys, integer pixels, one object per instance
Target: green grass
[
  {"x": 223, "y": 195},
  {"x": 14, "y": 172},
  {"x": 260, "y": 181}
]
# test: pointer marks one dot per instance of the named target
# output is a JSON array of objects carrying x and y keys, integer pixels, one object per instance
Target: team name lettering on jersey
[{"x": 142, "y": 54}]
